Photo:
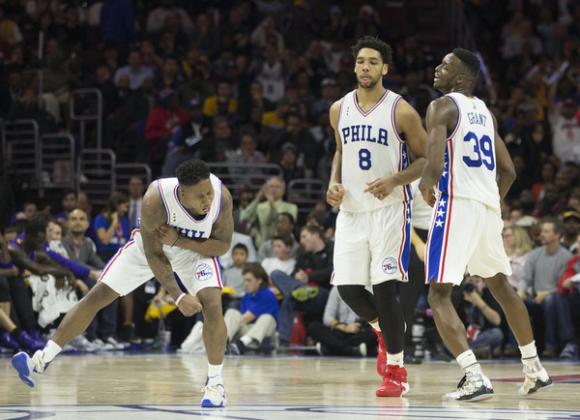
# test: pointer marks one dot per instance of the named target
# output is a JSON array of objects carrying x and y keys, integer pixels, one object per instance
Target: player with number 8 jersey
[{"x": 380, "y": 148}]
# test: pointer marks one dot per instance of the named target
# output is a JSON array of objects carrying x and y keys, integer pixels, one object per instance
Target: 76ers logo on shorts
[
  {"x": 203, "y": 272},
  {"x": 389, "y": 265}
]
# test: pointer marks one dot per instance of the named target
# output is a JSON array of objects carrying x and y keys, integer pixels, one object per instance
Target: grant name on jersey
[
  {"x": 476, "y": 118},
  {"x": 364, "y": 132}
]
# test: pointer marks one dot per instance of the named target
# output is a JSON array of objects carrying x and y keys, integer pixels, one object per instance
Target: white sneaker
[
  {"x": 80, "y": 343},
  {"x": 100, "y": 345},
  {"x": 472, "y": 387},
  {"x": 117, "y": 345},
  {"x": 535, "y": 378},
  {"x": 214, "y": 396}
]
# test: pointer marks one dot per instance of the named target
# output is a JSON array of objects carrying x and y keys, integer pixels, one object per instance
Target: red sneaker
[
  {"x": 394, "y": 382},
  {"x": 382, "y": 355}
]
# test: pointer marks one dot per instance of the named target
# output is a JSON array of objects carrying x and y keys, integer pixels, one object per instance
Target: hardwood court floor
[{"x": 118, "y": 386}]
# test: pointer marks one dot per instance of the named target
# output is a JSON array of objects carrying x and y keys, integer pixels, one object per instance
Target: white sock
[
  {"x": 50, "y": 351},
  {"x": 214, "y": 374},
  {"x": 529, "y": 351},
  {"x": 246, "y": 340},
  {"x": 375, "y": 325},
  {"x": 395, "y": 359},
  {"x": 468, "y": 362}
]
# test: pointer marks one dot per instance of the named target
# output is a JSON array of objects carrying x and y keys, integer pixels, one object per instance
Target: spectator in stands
[
  {"x": 518, "y": 246},
  {"x": 542, "y": 271},
  {"x": 69, "y": 203},
  {"x": 569, "y": 287},
  {"x": 264, "y": 214},
  {"x": 284, "y": 228},
  {"x": 246, "y": 154},
  {"x": 571, "y": 221},
  {"x": 484, "y": 317},
  {"x": 29, "y": 211},
  {"x": 307, "y": 289},
  {"x": 136, "y": 188},
  {"x": 296, "y": 134},
  {"x": 169, "y": 77},
  {"x": 341, "y": 333},
  {"x": 157, "y": 20},
  {"x": 281, "y": 247},
  {"x": 221, "y": 139},
  {"x": 112, "y": 226},
  {"x": 566, "y": 132},
  {"x": 190, "y": 141},
  {"x": 134, "y": 70},
  {"x": 222, "y": 103},
  {"x": 258, "y": 312},
  {"x": 26, "y": 106},
  {"x": 289, "y": 163},
  {"x": 233, "y": 276}
]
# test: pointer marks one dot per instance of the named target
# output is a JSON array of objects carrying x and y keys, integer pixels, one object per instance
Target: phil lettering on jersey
[
  {"x": 364, "y": 132},
  {"x": 191, "y": 233},
  {"x": 475, "y": 118}
]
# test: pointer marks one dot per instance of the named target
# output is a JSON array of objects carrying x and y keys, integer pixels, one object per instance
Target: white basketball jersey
[
  {"x": 470, "y": 164},
  {"x": 371, "y": 148},
  {"x": 180, "y": 218}
]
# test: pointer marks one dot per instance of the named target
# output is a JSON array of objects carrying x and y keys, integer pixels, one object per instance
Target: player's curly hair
[
  {"x": 191, "y": 172},
  {"x": 469, "y": 60},
  {"x": 374, "y": 43}
]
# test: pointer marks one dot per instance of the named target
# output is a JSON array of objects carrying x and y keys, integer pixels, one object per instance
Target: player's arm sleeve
[{"x": 79, "y": 270}]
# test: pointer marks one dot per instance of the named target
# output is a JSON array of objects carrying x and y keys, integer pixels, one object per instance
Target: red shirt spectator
[{"x": 165, "y": 118}]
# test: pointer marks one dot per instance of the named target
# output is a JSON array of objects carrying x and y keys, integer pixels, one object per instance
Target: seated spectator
[
  {"x": 233, "y": 276},
  {"x": 258, "y": 312},
  {"x": 307, "y": 289},
  {"x": 226, "y": 260},
  {"x": 281, "y": 246},
  {"x": 289, "y": 163},
  {"x": 542, "y": 271},
  {"x": 569, "y": 288},
  {"x": 484, "y": 317},
  {"x": 284, "y": 228},
  {"x": 28, "y": 212},
  {"x": 134, "y": 70},
  {"x": 69, "y": 203},
  {"x": 135, "y": 188},
  {"x": 341, "y": 333},
  {"x": 245, "y": 154},
  {"x": 264, "y": 214},
  {"x": 517, "y": 245},
  {"x": 222, "y": 103},
  {"x": 571, "y": 221},
  {"x": 112, "y": 226}
]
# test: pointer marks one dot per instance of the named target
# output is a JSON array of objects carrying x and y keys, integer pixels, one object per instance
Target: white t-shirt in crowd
[{"x": 271, "y": 264}]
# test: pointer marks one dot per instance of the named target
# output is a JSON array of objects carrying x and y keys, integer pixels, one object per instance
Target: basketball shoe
[
  {"x": 394, "y": 382},
  {"x": 474, "y": 386},
  {"x": 382, "y": 354},
  {"x": 535, "y": 378},
  {"x": 27, "y": 366},
  {"x": 214, "y": 396}
]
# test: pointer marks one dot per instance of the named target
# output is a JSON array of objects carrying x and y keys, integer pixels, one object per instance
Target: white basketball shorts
[
  {"x": 128, "y": 269},
  {"x": 464, "y": 234},
  {"x": 372, "y": 247}
]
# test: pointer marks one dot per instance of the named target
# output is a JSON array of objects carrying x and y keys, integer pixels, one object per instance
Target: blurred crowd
[{"x": 251, "y": 82}]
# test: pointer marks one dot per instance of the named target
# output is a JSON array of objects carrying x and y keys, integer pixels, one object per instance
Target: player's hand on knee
[
  {"x": 189, "y": 305},
  {"x": 381, "y": 187},
  {"x": 334, "y": 195}
]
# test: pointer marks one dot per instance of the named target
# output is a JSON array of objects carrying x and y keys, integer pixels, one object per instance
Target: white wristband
[{"x": 181, "y": 296}]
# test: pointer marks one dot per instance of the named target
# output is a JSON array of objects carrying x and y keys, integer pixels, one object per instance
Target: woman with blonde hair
[{"x": 517, "y": 244}]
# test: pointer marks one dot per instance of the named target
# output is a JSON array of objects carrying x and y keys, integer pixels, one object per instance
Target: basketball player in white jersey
[
  {"x": 186, "y": 223},
  {"x": 376, "y": 131},
  {"x": 465, "y": 157}
]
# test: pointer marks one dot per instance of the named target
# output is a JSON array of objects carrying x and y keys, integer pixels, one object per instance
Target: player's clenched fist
[
  {"x": 189, "y": 305},
  {"x": 334, "y": 195}
]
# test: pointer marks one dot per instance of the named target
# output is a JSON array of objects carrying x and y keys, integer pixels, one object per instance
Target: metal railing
[
  {"x": 86, "y": 105},
  {"x": 239, "y": 176},
  {"x": 305, "y": 193},
  {"x": 96, "y": 174},
  {"x": 21, "y": 150},
  {"x": 57, "y": 161}
]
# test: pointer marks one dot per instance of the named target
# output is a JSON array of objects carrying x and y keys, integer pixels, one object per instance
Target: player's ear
[{"x": 385, "y": 69}]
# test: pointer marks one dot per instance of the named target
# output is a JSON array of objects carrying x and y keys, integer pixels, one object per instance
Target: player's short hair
[
  {"x": 376, "y": 44},
  {"x": 286, "y": 240},
  {"x": 191, "y": 172},
  {"x": 258, "y": 272},
  {"x": 469, "y": 60},
  {"x": 242, "y": 247}
]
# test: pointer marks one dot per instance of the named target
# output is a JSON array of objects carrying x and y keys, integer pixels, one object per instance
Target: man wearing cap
[{"x": 571, "y": 220}]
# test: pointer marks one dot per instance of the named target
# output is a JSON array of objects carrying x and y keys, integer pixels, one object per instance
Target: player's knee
[
  {"x": 212, "y": 311},
  {"x": 353, "y": 296}
]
